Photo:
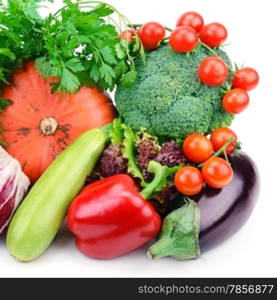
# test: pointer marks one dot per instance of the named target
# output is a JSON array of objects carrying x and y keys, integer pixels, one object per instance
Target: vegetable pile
[{"x": 162, "y": 163}]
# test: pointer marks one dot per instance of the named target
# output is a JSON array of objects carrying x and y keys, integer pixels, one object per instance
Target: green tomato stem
[
  {"x": 223, "y": 149},
  {"x": 216, "y": 54},
  {"x": 140, "y": 25},
  {"x": 168, "y": 29},
  {"x": 209, "y": 48},
  {"x": 130, "y": 25}
]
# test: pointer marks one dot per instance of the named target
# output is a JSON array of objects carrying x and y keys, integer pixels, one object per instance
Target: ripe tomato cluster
[
  {"x": 190, "y": 29},
  {"x": 237, "y": 99},
  {"x": 215, "y": 171},
  {"x": 213, "y": 71}
]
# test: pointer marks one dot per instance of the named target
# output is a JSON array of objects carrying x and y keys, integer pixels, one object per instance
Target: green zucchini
[{"x": 38, "y": 219}]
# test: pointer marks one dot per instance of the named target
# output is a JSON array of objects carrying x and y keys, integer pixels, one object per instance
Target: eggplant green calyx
[
  {"x": 179, "y": 235},
  {"x": 161, "y": 175}
]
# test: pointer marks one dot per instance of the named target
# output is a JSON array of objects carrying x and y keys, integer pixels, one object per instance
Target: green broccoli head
[{"x": 168, "y": 99}]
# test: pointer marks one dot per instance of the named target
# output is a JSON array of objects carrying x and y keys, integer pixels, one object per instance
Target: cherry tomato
[
  {"x": 197, "y": 148},
  {"x": 235, "y": 101},
  {"x": 213, "y": 34},
  {"x": 221, "y": 136},
  {"x": 213, "y": 71},
  {"x": 188, "y": 181},
  {"x": 246, "y": 78},
  {"x": 128, "y": 35},
  {"x": 183, "y": 39},
  {"x": 217, "y": 172},
  {"x": 151, "y": 34},
  {"x": 191, "y": 19}
]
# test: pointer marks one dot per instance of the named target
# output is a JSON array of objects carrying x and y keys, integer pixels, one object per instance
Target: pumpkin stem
[{"x": 48, "y": 126}]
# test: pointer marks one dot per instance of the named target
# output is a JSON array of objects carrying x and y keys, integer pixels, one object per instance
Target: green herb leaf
[
  {"x": 95, "y": 73},
  {"x": 78, "y": 44},
  {"x": 103, "y": 10},
  {"x": 8, "y": 53},
  {"x": 108, "y": 55},
  {"x": 75, "y": 65},
  {"x": 119, "y": 52},
  {"x": 69, "y": 81},
  {"x": 129, "y": 79},
  {"x": 45, "y": 67},
  {"x": 4, "y": 103},
  {"x": 107, "y": 73}
]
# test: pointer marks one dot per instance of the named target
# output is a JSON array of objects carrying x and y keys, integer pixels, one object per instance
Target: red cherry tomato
[
  {"x": 235, "y": 101},
  {"x": 191, "y": 19},
  {"x": 213, "y": 34},
  {"x": 151, "y": 34},
  {"x": 197, "y": 148},
  {"x": 188, "y": 181},
  {"x": 213, "y": 71},
  {"x": 217, "y": 172},
  {"x": 183, "y": 39},
  {"x": 128, "y": 35},
  {"x": 221, "y": 136},
  {"x": 246, "y": 78}
]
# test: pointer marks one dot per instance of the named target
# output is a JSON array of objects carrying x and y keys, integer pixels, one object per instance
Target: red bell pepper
[{"x": 110, "y": 218}]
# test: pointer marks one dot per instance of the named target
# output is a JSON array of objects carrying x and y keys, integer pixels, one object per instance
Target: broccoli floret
[{"x": 168, "y": 99}]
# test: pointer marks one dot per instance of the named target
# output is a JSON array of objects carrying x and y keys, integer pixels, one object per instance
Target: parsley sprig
[
  {"x": 82, "y": 47},
  {"x": 78, "y": 44}
]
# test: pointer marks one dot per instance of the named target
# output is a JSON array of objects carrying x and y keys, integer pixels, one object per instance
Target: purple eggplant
[
  {"x": 218, "y": 214},
  {"x": 225, "y": 211}
]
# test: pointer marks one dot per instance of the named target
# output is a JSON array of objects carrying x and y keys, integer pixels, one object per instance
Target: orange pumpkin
[{"x": 39, "y": 125}]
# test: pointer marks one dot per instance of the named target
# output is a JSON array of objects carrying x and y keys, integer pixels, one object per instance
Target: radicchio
[{"x": 13, "y": 186}]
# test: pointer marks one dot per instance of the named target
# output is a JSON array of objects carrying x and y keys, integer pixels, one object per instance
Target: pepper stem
[{"x": 161, "y": 174}]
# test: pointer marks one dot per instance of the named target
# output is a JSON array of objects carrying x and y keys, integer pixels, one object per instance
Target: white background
[{"x": 252, "y": 251}]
